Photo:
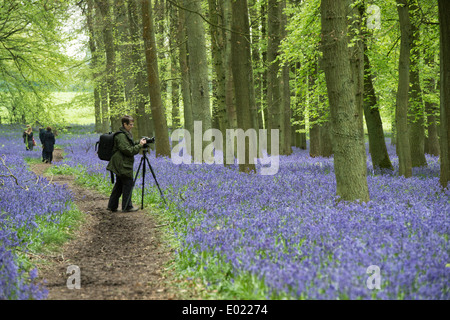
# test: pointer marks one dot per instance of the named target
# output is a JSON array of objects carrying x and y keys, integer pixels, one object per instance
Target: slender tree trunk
[
  {"x": 314, "y": 127},
  {"x": 257, "y": 62},
  {"x": 377, "y": 143},
  {"x": 242, "y": 75},
  {"x": 217, "y": 48},
  {"x": 416, "y": 106},
  {"x": 401, "y": 118},
  {"x": 111, "y": 72},
  {"x": 162, "y": 145},
  {"x": 431, "y": 141},
  {"x": 298, "y": 137},
  {"x": 264, "y": 97},
  {"x": 285, "y": 91},
  {"x": 140, "y": 94},
  {"x": 198, "y": 70},
  {"x": 184, "y": 67},
  {"x": 174, "y": 69},
  {"x": 94, "y": 65},
  {"x": 125, "y": 78},
  {"x": 346, "y": 118},
  {"x": 229, "y": 86},
  {"x": 326, "y": 144},
  {"x": 444, "y": 26},
  {"x": 274, "y": 101}
]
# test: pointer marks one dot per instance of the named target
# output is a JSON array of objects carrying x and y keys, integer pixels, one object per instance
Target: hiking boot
[
  {"x": 131, "y": 209},
  {"x": 112, "y": 210}
]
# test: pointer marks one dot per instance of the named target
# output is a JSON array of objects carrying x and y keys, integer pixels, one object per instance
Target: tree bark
[
  {"x": 198, "y": 69},
  {"x": 217, "y": 49},
  {"x": 140, "y": 96},
  {"x": 184, "y": 67},
  {"x": 229, "y": 87},
  {"x": 346, "y": 119},
  {"x": 242, "y": 75},
  {"x": 162, "y": 146},
  {"x": 111, "y": 73},
  {"x": 377, "y": 142},
  {"x": 416, "y": 106},
  {"x": 401, "y": 115},
  {"x": 274, "y": 99},
  {"x": 94, "y": 65},
  {"x": 444, "y": 26},
  {"x": 174, "y": 69}
]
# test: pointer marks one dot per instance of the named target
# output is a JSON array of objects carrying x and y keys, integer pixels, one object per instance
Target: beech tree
[
  {"x": 401, "y": 111},
  {"x": 162, "y": 145},
  {"x": 346, "y": 117},
  {"x": 242, "y": 75},
  {"x": 444, "y": 26}
]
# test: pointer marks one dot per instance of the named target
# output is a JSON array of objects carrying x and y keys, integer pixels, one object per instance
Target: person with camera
[{"x": 121, "y": 164}]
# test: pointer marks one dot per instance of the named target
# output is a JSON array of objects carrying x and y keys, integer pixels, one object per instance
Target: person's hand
[{"x": 143, "y": 141}]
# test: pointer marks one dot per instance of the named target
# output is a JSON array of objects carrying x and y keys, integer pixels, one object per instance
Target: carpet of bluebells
[
  {"x": 290, "y": 233},
  {"x": 26, "y": 203}
]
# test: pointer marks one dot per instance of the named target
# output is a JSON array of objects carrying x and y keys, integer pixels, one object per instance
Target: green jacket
[{"x": 124, "y": 150}]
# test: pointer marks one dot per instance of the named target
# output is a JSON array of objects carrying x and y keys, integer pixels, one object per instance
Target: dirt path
[{"x": 120, "y": 255}]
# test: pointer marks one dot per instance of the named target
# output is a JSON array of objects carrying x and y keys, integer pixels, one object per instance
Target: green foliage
[
  {"x": 31, "y": 61},
  {"x": 302, "y": 46}
]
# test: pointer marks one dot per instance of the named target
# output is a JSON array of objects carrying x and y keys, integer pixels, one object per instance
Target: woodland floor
[{"x": 120, "y": 255}]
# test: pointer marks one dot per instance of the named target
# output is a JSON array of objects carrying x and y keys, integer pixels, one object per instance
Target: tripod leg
[
  {"x": 154, "y": 177},
  {"x": 143, "y": 183},
  {"x": 134, "y": 182}
]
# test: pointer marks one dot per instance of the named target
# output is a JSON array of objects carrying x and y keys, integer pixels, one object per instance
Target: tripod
[{"x": 144, "y": 161}]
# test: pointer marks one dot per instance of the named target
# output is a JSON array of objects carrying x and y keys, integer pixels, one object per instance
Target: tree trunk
[
  {"x": 274, "y": 101},
  {"x": 416, "y": 106},
  {"x": 94, "y": 65},
  {"x": 377, "y": 143},
  {"x": 346, "y": 119},
  {"x": 217, "y": 48},
  {"x": 285, "y": 91},
  {"x": 162, "y": 146},
  {"x": 444, "y": 26},
  {"x": 401, "y": 115},
  {"x": 257, "y": 62},
  {"x": 140, "y": 95},
  {"x": 184, "y": 67},
  {"x": 198, "y": 71},
  {"x": 431, "y": 108},
  {"x": 111, "y": 74},
  {"x": 242, "y": 75},
  {"x": 229, "y": 86},
  {"x": 174, "y": 69}
]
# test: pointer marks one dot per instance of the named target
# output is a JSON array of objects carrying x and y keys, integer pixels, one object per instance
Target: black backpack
[{"x": 105, "y": 145}]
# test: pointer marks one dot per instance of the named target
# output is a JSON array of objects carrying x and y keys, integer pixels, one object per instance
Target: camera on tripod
[{"x": 148, "y": 141}]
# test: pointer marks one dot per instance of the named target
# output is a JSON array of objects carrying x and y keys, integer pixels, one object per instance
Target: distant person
[
  {"x": 41, "y": 139},
  {"x": 48, "y": 143},
  {"x": 28, "y": 138}
]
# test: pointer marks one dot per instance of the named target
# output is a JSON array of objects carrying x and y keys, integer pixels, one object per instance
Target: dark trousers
[
  {"x": 47, "y": 155},
  {"x": 123, "y": 187}
]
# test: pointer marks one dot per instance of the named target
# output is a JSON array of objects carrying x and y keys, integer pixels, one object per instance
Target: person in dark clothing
[
  {"x": 28, "y": 138},
  {"x": 48, "y": 143},
  {"x": 41, "y": 139},
  {"x": 121, "y": 164}
]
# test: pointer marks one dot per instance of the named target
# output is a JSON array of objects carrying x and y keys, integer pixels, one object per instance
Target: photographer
[{"x": 121, "y": 163}]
